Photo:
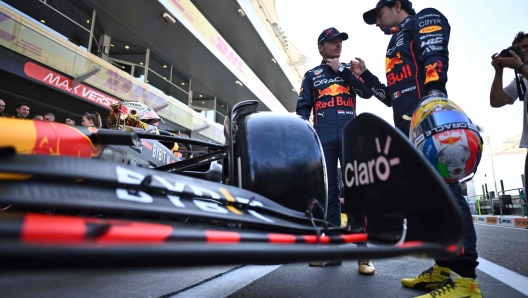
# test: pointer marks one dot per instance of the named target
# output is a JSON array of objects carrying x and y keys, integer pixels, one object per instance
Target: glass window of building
[
  {"x": 167, "y": 78},
  {"x": 204, "y": 104},
  {"x": 221, "y": 111},
  {"x": 129, "y": 55}
]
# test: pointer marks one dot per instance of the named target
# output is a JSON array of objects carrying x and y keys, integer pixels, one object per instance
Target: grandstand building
[{"x": 189, "y": 60}]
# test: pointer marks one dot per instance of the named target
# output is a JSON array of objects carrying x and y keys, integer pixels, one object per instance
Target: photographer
[{"x": 500, "y": 96}]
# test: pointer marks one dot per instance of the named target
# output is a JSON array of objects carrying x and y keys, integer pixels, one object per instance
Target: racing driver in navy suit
[
  {"x": 329, "y": 90},
  {"x": 416, "y": 65}
]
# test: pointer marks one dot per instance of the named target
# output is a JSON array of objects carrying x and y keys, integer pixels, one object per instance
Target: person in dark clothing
[
  {"x": 69, "y": 120},
  {"x": 417, "y": 61},
  {"x": 22, "y": 111},
  {"x": 329, "y": 90}
]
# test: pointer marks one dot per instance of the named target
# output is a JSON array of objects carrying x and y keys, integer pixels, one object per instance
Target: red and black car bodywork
[{"x": 269, "y": 207}]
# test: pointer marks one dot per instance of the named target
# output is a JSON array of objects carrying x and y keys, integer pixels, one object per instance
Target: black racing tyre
[{"x": 280, "y": 157}]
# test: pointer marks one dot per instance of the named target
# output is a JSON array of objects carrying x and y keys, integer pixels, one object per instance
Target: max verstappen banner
[{"x": 64, "y": 83}]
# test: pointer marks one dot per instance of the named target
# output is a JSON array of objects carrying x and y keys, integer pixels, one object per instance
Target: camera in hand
[
  {"x": 521, "y": 87},
  {"x": 516, "y": 49}
]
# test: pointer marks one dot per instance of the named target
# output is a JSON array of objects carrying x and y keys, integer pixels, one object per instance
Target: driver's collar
[{"x": 398, "y": 28}]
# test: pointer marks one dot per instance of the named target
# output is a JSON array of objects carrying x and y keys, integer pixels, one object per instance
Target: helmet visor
[{"x": 439, "y": 122}]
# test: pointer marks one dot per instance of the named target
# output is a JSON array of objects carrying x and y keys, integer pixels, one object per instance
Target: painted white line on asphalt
[
  {"x": 508, "y": 277},
  {"x": 228, "y": 283},
  {"x": 497, "y": 226}
]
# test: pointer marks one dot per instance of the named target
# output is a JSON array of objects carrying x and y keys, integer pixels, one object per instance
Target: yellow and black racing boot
[
  {"x": 458, "y": 287},
  {"x": 428, "y": 279}
]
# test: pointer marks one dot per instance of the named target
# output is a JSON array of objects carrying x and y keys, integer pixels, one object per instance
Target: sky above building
[{"x": 479, "y": 28}]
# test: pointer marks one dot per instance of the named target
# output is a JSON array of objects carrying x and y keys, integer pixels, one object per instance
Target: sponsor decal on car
[
  {"x": 129, "y": 176},
  {"x": 57, "y": 139},
  {"x": 372, "y": 171}
]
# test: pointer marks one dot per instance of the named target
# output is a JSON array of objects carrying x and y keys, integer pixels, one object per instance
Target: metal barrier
[
  {"x": 476, "y": 203},
  {"x": 486, "y": 207},
  {"x": 515, "y": 199}
]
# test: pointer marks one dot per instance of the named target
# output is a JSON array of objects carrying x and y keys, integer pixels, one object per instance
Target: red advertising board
[{"x": 64, "y": 83}]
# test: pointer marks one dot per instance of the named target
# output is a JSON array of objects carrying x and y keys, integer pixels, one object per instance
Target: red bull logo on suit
[
  {"x": 390, "y": 63},
  {"x": 335, "y": 101},
  {"x": 334, "y": 90}
]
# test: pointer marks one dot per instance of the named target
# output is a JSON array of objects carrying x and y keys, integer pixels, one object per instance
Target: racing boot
[
  {"x": 325, "y": 263},
  {"x": 428, "y": 279},
  {"x": 458, "y": 288},
  {"x": 365, "y": 267}
]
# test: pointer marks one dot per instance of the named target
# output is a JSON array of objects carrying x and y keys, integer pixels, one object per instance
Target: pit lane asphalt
[
  {"x": 502, "y": 246},
  {"x": 506, "y": 247},
  {"x": 300, "y": 280}
]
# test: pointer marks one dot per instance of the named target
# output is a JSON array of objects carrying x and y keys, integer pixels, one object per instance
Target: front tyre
[{"x": 280, "y": 157}]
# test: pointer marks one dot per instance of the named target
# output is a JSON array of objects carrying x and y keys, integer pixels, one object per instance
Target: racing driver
[
  {"x": 416, "y": 65},
  {"x": 329, "y": 90}
]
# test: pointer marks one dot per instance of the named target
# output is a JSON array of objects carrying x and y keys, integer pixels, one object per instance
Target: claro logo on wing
[{"x": 369, "y": 172}]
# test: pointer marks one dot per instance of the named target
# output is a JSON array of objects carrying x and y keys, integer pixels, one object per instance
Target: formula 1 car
[{"x": 269, "y": 207}]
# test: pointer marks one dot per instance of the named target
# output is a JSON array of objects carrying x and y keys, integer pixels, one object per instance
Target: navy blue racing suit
[
  {"x": 332, "y": 97},
  {"x": 416, "y": 62}
]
